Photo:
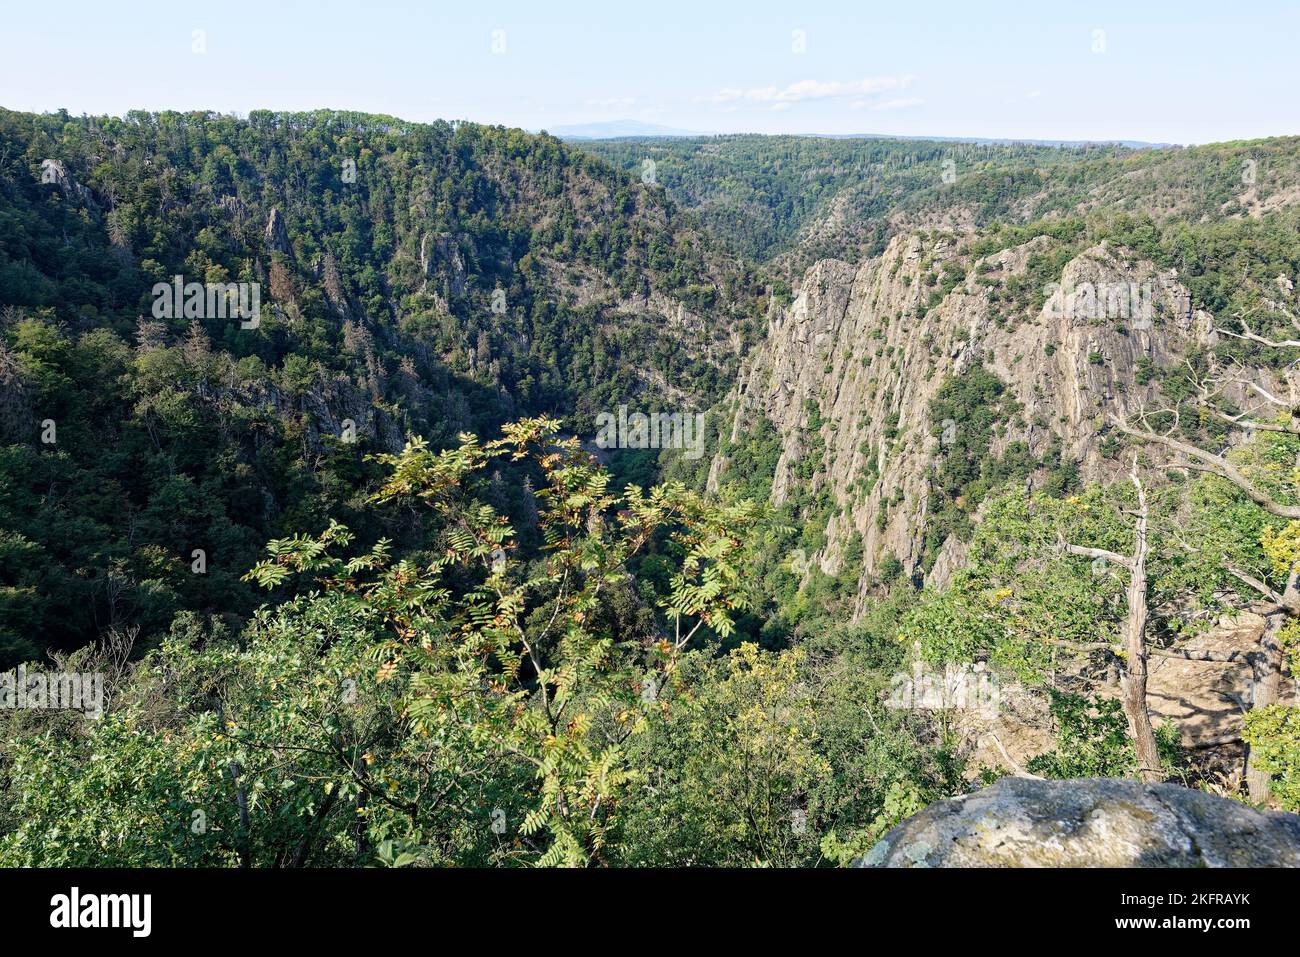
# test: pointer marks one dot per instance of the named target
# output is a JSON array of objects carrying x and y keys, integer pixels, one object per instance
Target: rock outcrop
[
  {"x": 440, "y": 255},
  {"x": 1091, "y": 822},
  {"x": 871, "y": 345},
  {"x": 276, "y": 235},
  {"x": 54, "y": 173}
]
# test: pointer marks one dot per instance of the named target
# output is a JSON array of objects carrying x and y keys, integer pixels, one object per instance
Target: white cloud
[
  {"x": 803, "y": 90},
  {"x": 725, "y": 96}
]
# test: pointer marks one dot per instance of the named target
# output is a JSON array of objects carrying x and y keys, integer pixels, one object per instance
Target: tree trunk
[
  {"x": 1133, "y": 694},
  {"x": 1268, "y": 681},
  {"x": 1133, "y": 686}
]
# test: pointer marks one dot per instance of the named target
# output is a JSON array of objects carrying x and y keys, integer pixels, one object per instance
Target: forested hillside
[
  {"x": 765, "y": 196},
  {"x": 798, "y": 199},
  {"x": 365, "y": 587},
  {"x": 417, "y": 279}
]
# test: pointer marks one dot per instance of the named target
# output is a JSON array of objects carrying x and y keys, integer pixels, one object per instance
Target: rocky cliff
[{"x": 867, "y": 349}]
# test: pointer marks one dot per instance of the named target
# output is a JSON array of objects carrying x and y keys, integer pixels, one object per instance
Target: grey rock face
[
  {"x": 55, "y": 173},
  {"x": 1089, "y": 822},
  {"x": 276, "y": 235},
  {"x": 863, "y": 344}
]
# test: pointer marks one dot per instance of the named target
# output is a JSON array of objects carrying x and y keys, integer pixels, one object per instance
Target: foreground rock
[{"x": 1089, "y": 822}]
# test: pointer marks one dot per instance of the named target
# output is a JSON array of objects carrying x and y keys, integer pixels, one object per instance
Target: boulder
[{"x": 1089, "y": 822}]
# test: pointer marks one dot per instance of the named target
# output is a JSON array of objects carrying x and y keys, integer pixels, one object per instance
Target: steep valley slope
[{"x": 860, "y": 346}]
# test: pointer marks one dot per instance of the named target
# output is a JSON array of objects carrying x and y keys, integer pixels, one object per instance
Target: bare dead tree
[
  {"x": 1268, "y": 662},
  {"x": 1133, "y": 682}
]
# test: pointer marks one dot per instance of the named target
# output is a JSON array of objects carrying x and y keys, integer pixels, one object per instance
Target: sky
[{"x": 1178, "y": 72}]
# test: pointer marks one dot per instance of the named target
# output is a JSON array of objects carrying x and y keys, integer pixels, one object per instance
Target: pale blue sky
[{"x": 1175, "y": 72}]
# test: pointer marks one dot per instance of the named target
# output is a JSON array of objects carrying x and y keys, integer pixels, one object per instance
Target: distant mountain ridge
[
  {"x": 633, "y": 129},
  {"x": 618, "y": 129},
  {"x": 999, "y": 140}
]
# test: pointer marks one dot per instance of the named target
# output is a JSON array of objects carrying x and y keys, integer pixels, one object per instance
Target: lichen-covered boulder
[{"x": 1089, "y": 822}]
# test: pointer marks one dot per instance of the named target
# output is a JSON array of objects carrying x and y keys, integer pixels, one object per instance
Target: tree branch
[
  {"x": 1087, "y": 552},
  {"x": 1254, "y": 583},
  {"x": 1212, "y": 463}
]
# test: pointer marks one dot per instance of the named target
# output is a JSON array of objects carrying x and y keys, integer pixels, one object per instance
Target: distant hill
[
  {"x": 796, "y": 199},
  {"x": 998, "y": 141},
  {"x": 618, "y": 129}
]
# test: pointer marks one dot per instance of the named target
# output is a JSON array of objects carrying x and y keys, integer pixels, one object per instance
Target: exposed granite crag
[{"x": 865, "y": 346}]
